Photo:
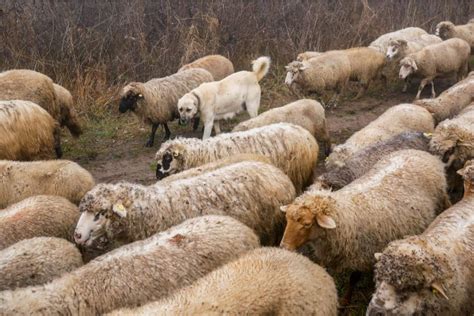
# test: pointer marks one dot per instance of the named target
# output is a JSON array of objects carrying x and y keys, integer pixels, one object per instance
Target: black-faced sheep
[
  {"x": 249, "y": 191},
  {"x": 68, "y": 116},
  {"x": 306, "y": 113},
  {"x": 28, "y": 132},
  {"x": 37, "y": 261},
  {"x": 398, "y": 119},
  {"x": 217, "y": 65},
  {"x": 289, "y": 147},
  {"x": 410, "y": 33},
  {"x": 262, "y": 282},
  {"x": 447, "y": 30},
  {"x": 155, "y": 100},
  {"x": 432, "y": 273},
  {"x": 442, "y": 59},
  {"x": 138, "y": 273},
  {"x": 19, "y": 180},
  {"x": 41, "y": 215}
]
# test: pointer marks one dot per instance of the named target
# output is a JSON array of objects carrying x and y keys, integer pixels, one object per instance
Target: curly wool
[{"x": 217, "y": 65}]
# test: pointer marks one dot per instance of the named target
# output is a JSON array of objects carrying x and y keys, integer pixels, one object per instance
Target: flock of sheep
[{"x": 397, "y": 197}]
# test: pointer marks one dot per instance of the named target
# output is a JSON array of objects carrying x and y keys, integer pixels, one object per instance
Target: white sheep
[
  {"x": 262, "y": 282},
  {"x": 217, "y": 65},
  {"x": 447, "y": 30},
  {"x": 155, "y": 100},
  {"x": 410, "y": 33},
  {"x": 249, "y": 191},
  {"x": 19, "y": 180},
  {"x": 432, "y": 61},
  {"x": 37, "y": 261},
  {"x": 395, "y": 120},
  {"x": 219, "y": 100},
  {"x": 289, "y": 147},
  {"x": 40, "y": 215},
  {"x": 138, "y": 273},
  {"x": 28, "y": 132}
]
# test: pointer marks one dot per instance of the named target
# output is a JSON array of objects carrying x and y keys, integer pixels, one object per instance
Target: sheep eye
[{"x": 97, "y": 216}]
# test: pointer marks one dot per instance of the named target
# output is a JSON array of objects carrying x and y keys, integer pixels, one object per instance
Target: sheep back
[
  {"x": 217, "y": 65},
  {"x": 381, "y": 43}
]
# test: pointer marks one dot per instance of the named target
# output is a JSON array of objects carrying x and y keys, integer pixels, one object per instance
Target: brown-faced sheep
[
  {"x": 37, "y": 261},
  {"x": 28, "y": 132},
  {"x": 19, "y": 180},
  {"x": 217, "y": 65},
  {"x": 68, "y": 116},
  {"x": 262, "y": 282},
  {"x": 452, "y": 101},
  {"x": 249, "y": 191},
  {"x": 41, "y": 215},
  {"x": 138, "y": 273},
  {"x": 400, "y": 195},
  {"x": 397, "y": 119},
  {"x": 155, "y": 100},
  {"x": 442, "y": 59},
  {"x": 453, "y": 140},
  {"x": 363, "y": 160},
  {"x": 289, "y": 147},
  {"x": 447, "y": 30},
  {"x": 410, "y": 33},
  {"x": 432, "y": 273},
  {"x": 306, "y": 113}
]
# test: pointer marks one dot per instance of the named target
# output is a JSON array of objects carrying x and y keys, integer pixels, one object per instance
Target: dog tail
[{"x": 260, "y": 67}]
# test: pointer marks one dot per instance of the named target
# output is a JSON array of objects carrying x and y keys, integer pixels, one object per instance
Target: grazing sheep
[
  {"x": 138, "y": 273},
  {"x": 307, "y": 55},
  {"x": 445, "y": 58},
  {"x": 19, "y": 180},
  {"x": 447, "y": 30},
  {"x": 249, "y": 191},
  {"x": 467, "y": 173},
  {"x": 289, "y": 147},
  {"x": 265, "y": 281},
  {"x": 363, "y": 160},
  {"x": 27, "y": 132},
  {"x": 41, "y": 215},
  {"x": 453, "y": 139},
  {"x": 408, "y": 34},
  {"x": 155, "y": 100},
  {"x": 68, "y": 116},
  {"x": 400, "y": 195},
  {"x": 219, "y": 100},
  {"x": 452, "y": 101},
  {"x": 37, "y": 261},
  {"x": 397, "y": 119},
  {"x": 217, "y": 65},
  {"x": 306, "y": 113},
  {"x": 432, "y": 273}
]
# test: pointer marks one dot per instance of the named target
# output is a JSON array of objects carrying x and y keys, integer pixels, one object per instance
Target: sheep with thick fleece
[
  {"x": 410, "y": 33},
  {"x": 289, "y": 147},
  {"x": 395, "y": 120},
  {"x": 306, "y": 113},
  {"x": 451, "y": 101},
  {"x": 363, "y": 160},
  {"x": 219, "y": 100},
  {"x": 138, "y": 273},
  {"x": 432, "y": 273},
  {"x": 68, "y": 116},
  {"x": 37, "y": 261},
  {"x": 217, "y": 65},
  {"x": 27, "y": 132},
  {"x": 432, "y": 61},
  {"x": 447, "y": 30},
  {"x": 249, "y": 191},
  {"x": 453, "y": 139},
  {"x": 399, "y": 196},
  {"x": 155, "y": 101},
  {"x": 41, "y": 215},
  {"x": 265, "y": 281},
  {"x": 19, "y": 180}
]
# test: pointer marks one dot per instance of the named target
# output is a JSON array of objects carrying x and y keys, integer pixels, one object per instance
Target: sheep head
[
  {"x": 170, "y": 159},
  {"x": 467, "y": 173},
  {"x": 294, "y": 70},
  {"x": 444, "y": 30},
  {"x": 188, "y": 107},
  {"x": 130, "y": 95},
  {"x": 407, "y": 67},
  {"x": 103, "y": 210},
  {"x": 396, "y": 48},
  {"x": 306, "y": 220},
  {"x": 410, "y": 279},
  {"x": 443, "y": 143}
]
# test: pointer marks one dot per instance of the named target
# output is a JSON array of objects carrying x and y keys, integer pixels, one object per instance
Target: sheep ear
[
  {"x": 428, "y": 135},
  {"x": 303, "y": 68},
  {"x": 283, "y": 208},
  {"x": 437, "y": 287},
  {"x": 377, "y": 255},
  {"x": 326, "y": 221},
  {"x": 461, "y": 172},
  {"x": 175, "y": 154},
  {"x": 402, "y": 42},
  {"x": 415, "y": 67},
  {"x": 120, "y": 210},
  {"x": 287, "y": 67},
  {"x": 140, "y": 96}
]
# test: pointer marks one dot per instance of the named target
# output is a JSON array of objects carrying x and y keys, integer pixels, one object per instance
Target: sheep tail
[{"x": 260, "y": 67}]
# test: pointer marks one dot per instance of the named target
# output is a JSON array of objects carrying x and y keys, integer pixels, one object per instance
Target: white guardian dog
[{"x": 223, "y": 99}]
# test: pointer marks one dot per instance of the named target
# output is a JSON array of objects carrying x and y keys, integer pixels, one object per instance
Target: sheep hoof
[{"x": 149, "y": 143}]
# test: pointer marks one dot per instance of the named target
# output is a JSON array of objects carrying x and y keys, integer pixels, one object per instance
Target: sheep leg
[
  {"x": 433, "y": 93},
  {"x": 151, "y": 139},
  {"x": 406, "y": 83},
  {"x": 167, "y": 131},
  {"x": 353, "y": 280},
  {"x": 362, "y": 90},
  {"x": 217, "y": 127},
  {"x": 423, "y": 83},
  {"x": 57, "y": 142}
]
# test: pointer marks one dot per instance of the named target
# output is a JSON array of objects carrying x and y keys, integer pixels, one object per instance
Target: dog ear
[{"x": 198, "y": 99}]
